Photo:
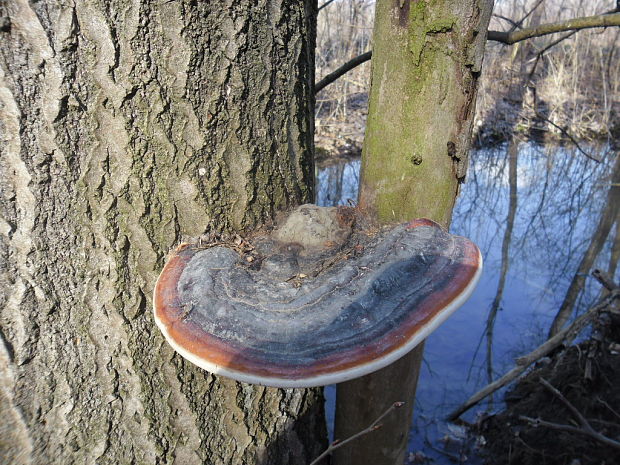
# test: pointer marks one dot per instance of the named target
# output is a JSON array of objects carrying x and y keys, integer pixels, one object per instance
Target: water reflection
[
  {"x": 338, "y": 183},
  {"x": 558, "y": 196}
]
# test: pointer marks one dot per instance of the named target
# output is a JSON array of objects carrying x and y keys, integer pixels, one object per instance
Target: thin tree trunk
[
  {"x": 427, "y": 59},
  {"x": 126, "y": 127}
]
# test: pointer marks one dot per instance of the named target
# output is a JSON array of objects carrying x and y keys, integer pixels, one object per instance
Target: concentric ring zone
[{"x": 354, "y": 319}]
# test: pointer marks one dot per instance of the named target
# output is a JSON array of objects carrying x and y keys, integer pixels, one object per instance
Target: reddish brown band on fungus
[
  {"x": 422, "y": 222},
  {"x": 216, "y": 351}
]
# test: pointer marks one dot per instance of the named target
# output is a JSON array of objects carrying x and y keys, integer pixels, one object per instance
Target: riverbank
[
  {"x": 341, "y": 137},
  {"x": 566, "y": 411}
]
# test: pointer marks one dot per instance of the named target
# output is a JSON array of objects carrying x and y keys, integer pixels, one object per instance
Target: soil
[{"x": 588, "y": 376}]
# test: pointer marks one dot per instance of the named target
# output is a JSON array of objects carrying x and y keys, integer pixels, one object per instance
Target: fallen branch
[
  {"x": 375, "y": 425},
  {"x": 566, "y": 402},
  {"x": 571, "y": 429},
  {"x": 567, "y": 334},
  {"x": 585, "y": 429},
  {"x": 609, "y": 407},
  {"x": 605, "y": 279}
]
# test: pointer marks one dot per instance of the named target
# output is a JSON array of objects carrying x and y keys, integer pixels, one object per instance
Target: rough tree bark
[
  {"x": 126, "y": 126},
  {"x": 426, "y": 62}
]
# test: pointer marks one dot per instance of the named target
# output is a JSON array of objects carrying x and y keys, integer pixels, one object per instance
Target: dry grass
[{"x": 576, "y": 83}]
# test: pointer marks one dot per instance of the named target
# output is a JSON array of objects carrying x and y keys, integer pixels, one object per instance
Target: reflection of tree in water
[
  {"x": 338, "y": 183},
  {"x": 554, "y": 230},
  {"x": 561, "y": 195},
  {"x": 513, "y": 154},
  {"x": 608, "y": 217}
]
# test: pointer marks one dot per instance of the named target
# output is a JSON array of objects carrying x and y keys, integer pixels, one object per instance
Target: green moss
[
  {"x": 420, "y": 26},
  {"x": 441, "y": 25},
  {"x": 417, "y": 30}
]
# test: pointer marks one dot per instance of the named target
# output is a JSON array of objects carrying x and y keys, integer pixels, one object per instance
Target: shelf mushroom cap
[{"x": 350, "y": 305}]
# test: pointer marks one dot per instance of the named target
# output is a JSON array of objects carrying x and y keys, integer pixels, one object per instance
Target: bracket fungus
[{"x": 317, "y": 301}]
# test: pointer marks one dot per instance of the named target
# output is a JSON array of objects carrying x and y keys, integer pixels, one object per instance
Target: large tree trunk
[
  {"x": 125, "y": 127},
  {"x": 427, "y": 57}
]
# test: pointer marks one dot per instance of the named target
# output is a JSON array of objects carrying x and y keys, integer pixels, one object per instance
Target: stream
[{"x": 560, "y": 195}]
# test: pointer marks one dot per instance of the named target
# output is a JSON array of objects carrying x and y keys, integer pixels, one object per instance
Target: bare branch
[
  {"x": 609, "y": 407},
  {"x": 528, "y": 14},
  {"x": 324, "y": 5},
  {"x": 604, "y": 20},
  {"x": 585, "y": 429},
  {"x": 540, "y": 53},
  {"x": 375, "y": 425},
  {"x": 582, "y": 421},
  {"x": 569, "y": 136},
  {"x": 512, "y": 22},
  {"x": 610, "y": 18},
  {"x": 572, "y": 429},
  {"x": 348, "y": 66}
]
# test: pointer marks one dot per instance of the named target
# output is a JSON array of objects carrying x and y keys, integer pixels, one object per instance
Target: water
[
  {"x": 338, "y": 183},
  {"x": 560, "y": 194}
]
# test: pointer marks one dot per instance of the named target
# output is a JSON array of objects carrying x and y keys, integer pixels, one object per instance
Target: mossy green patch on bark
[{"x": 425, "y": 20}]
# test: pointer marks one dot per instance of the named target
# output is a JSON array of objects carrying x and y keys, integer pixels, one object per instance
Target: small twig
[
  {"x": 528, "y": 14},
  {"x": 324, "y": 5},
  {"x": 567, "y": 134},
  {"x": 375, "y": 425},
  {"x": 585, "y": 429},
  {"x": 572, "y": 429},
  {"x": 609, "y": 407},
  {"x": 545, "y": 50},
  {"x": 566, "y": 402},
  {"x": 512, "y": 22}
]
